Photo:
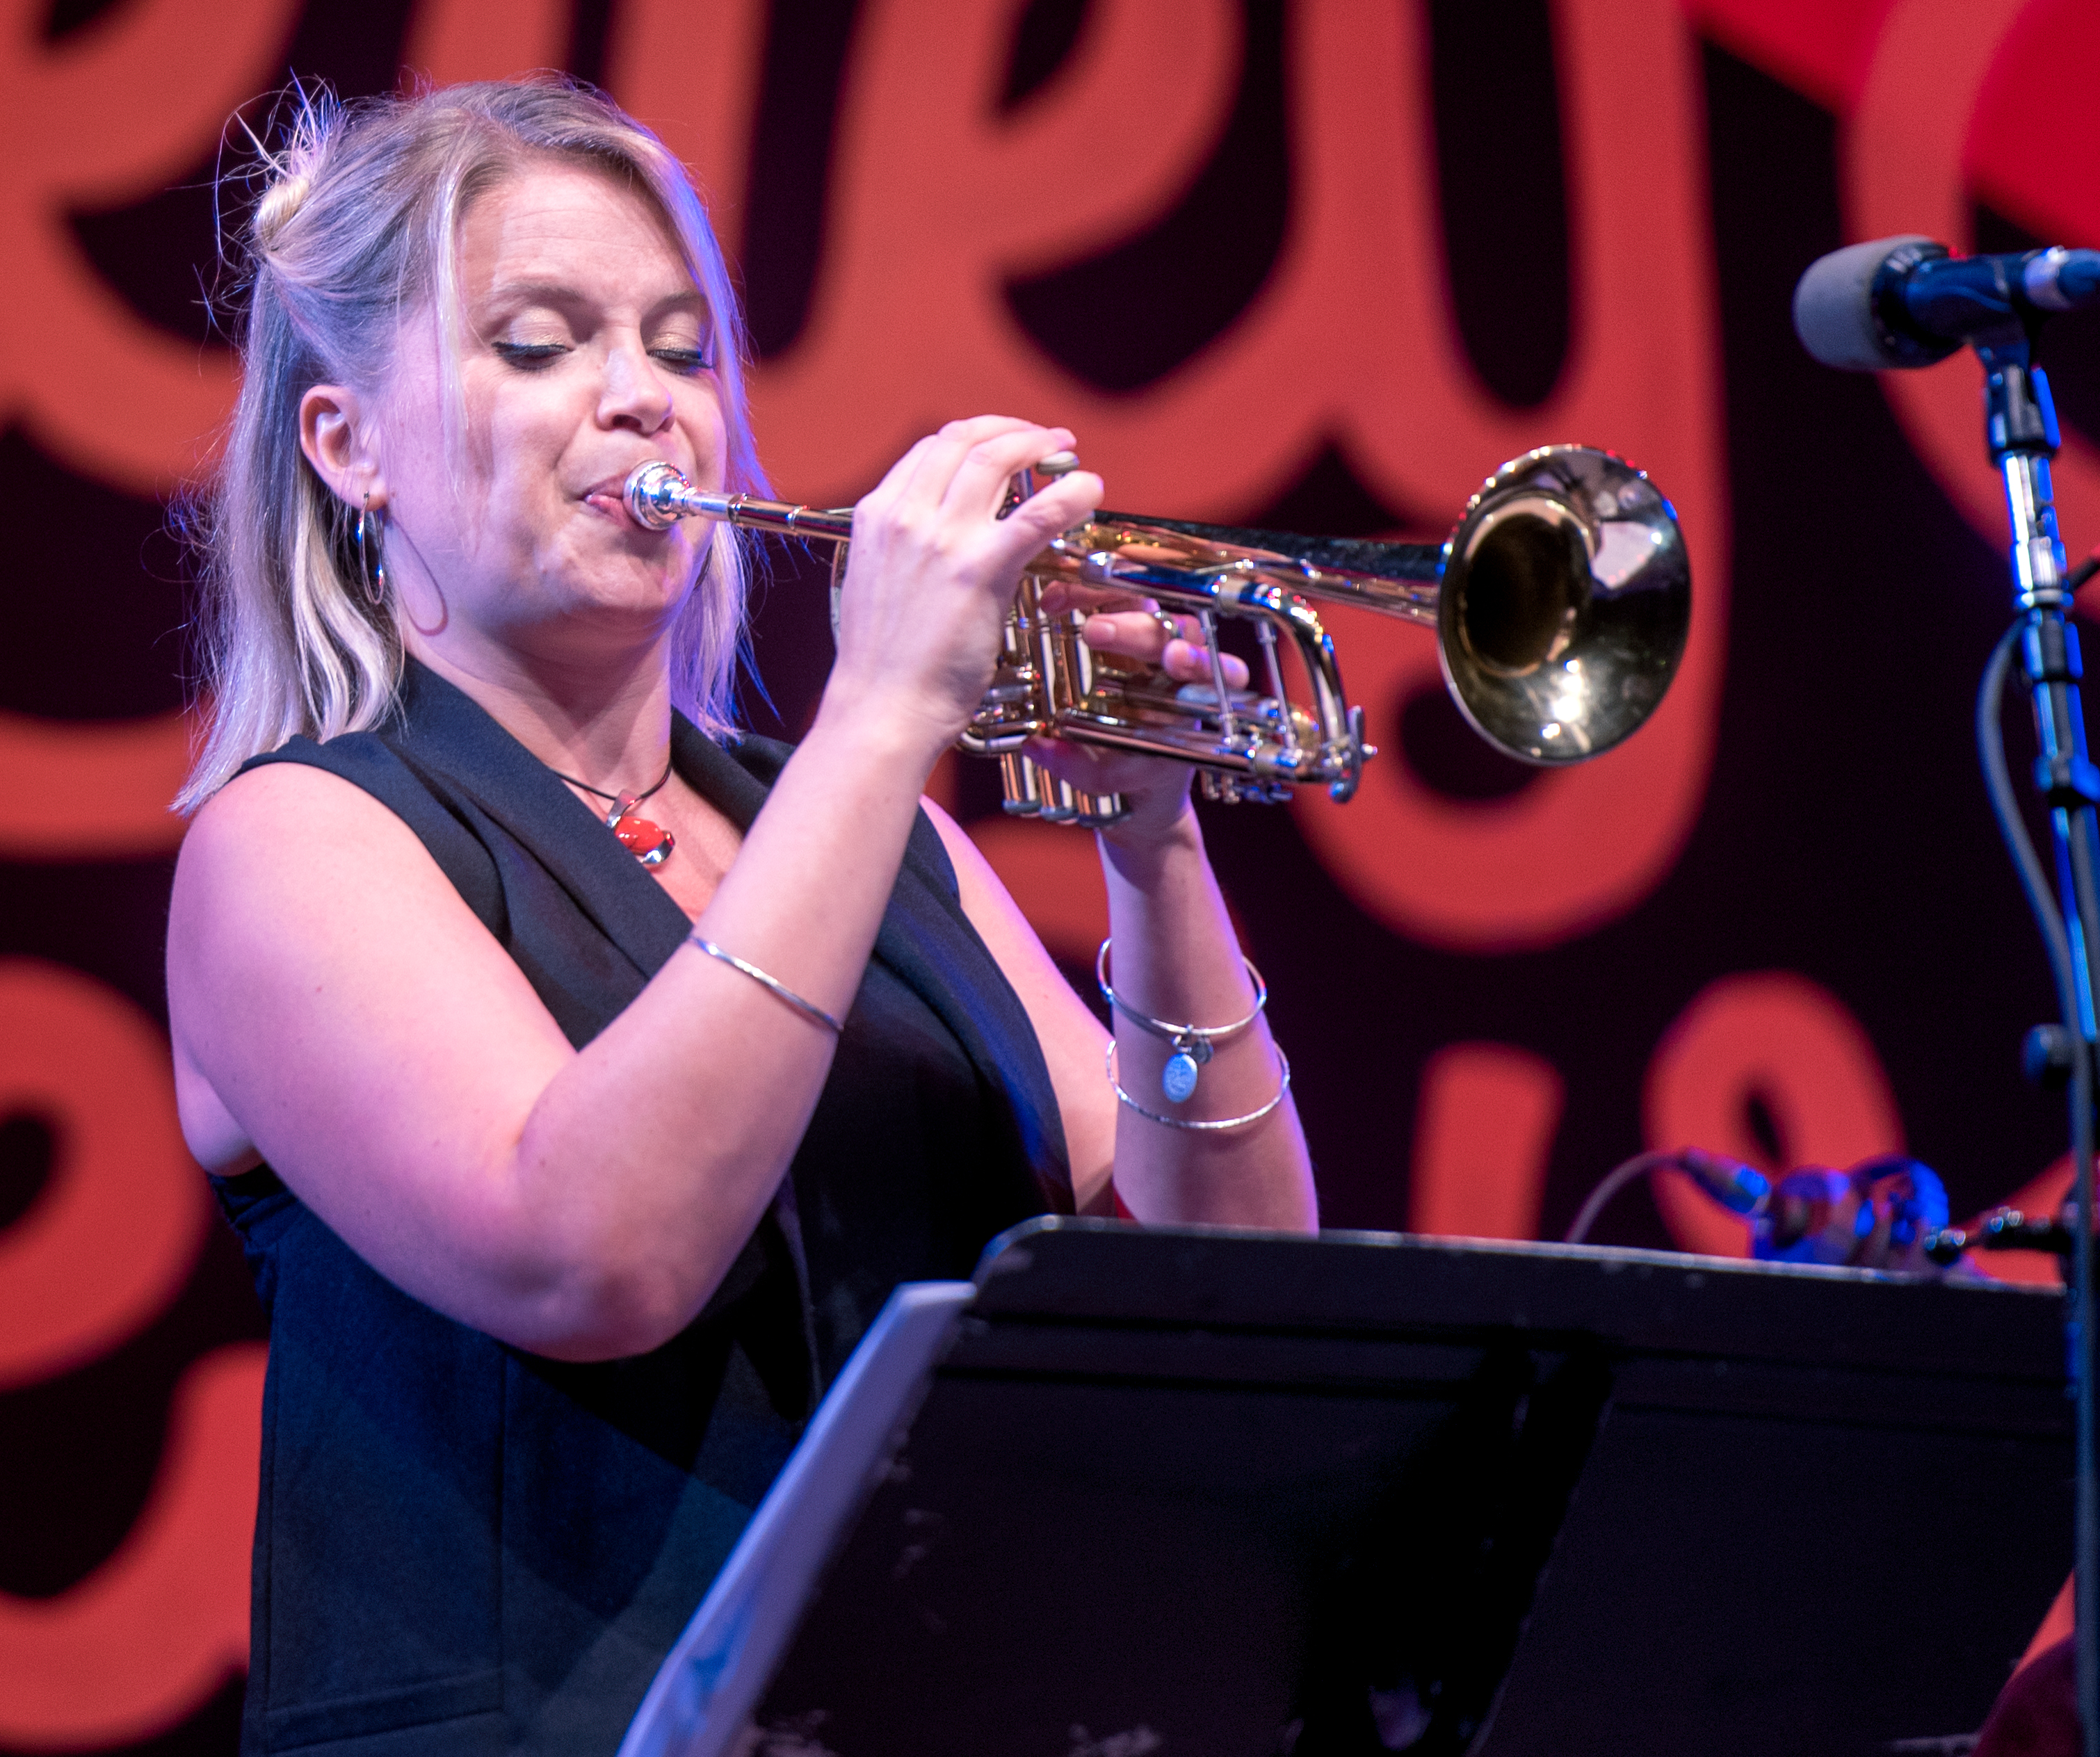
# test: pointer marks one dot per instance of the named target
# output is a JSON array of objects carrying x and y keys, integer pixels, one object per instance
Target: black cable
[
  {"x": 2085, "y": 1596},
  {"x": 2034, "y": 880},
  {"x": 2013, "y": 828},
  {"x": 599, "y": 792}
]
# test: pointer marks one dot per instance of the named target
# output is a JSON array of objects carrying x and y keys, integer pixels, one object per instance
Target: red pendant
[{"x": 649, "y": 843}]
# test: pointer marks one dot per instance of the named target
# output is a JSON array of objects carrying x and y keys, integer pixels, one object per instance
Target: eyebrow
[{"x": 556, "y": 292}]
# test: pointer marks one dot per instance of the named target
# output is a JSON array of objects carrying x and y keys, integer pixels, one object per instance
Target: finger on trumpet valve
[{"x": 1023, "y": 486}]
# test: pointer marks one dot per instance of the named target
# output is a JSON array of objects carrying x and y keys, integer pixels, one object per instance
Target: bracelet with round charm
[
  {"x": 1194, "y": 1044},
  {"x": 1283, "y": 1064}
]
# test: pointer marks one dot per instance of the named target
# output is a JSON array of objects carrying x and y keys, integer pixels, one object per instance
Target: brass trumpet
[{"x": 1560, "y": 602}]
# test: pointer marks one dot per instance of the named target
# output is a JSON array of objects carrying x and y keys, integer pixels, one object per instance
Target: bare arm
[
  {"x": 387, "y": 1057},
  {"x": 1176, "y": 955},
  {"x": 1176, "y": 958},
  {"x": 378, "y": 1048}
]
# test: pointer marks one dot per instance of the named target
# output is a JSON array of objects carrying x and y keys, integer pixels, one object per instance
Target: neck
[{"x": 609, "y": 726}]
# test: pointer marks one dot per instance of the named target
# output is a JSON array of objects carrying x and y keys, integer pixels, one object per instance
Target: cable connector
[
  {"x": 2006, "y": 1229},
  {"x": 2047, "y": 1057},
  {"x": 2049, "y": 651},
  {"x": 2066, "y": 779}
]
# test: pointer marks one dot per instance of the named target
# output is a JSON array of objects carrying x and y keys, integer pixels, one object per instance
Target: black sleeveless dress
[{"x": 464, "y": 1549}]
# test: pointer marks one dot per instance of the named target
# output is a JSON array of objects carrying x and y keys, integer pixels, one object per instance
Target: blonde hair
[{"x": 358, "y": 225}]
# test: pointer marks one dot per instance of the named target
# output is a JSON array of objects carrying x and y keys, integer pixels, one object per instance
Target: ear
[{"x": 335, "y": 435}]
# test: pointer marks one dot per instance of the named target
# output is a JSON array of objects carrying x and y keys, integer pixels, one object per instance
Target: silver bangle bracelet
[
  {"x": 808, "y": 1009},
  {"x": 1283, "y": 1061},
  {"x": 1194, "y": 1044}
]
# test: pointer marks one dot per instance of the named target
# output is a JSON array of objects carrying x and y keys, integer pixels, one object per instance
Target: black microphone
[{"x": 1905, "y": 302}]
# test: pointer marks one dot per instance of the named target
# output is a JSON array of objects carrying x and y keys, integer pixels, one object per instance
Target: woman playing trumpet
[{"x": 580, "y": 1073}]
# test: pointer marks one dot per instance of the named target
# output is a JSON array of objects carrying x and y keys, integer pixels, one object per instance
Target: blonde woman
[{"x": 579, "y": 1074}]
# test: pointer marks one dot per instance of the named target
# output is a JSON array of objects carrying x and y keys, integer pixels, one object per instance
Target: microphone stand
[{"x": 2021, "y": 432}]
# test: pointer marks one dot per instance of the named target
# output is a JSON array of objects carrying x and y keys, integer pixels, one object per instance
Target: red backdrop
[{"x": 1320, "y": 265}]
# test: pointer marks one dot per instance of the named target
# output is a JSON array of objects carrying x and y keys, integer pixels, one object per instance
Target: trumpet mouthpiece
[{"x": 657, "y": 495}]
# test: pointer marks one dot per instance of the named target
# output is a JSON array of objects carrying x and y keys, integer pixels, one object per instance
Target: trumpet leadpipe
[{"x": 657, "y": 495}]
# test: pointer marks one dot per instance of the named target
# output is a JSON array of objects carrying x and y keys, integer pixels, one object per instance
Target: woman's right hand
[{"x": 933, "y": 571}]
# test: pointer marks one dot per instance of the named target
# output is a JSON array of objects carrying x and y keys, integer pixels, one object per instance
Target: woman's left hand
[{"x": 1156, "y": 788}]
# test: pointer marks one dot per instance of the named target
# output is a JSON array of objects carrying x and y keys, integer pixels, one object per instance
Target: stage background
[{"x": 1319, "y": 266}]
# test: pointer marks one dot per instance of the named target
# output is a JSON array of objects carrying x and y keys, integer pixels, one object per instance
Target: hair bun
[{"x": 281, "y": 204}]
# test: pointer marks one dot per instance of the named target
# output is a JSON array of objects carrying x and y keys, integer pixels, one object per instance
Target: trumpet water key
[{"x": 1560, "y": 601}]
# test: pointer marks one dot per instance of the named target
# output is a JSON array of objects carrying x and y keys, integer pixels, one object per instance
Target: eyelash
[
  {"x": 528, "y": 356},
  {"x": 536, "y": 356}
]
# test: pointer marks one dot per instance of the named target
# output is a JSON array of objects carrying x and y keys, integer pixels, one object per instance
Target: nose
[{"x": 633, "y": 394}]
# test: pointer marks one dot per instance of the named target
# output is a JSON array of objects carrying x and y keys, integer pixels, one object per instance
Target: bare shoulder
[
  {"x": 292, "y": 866},
  {"x": 283, "y": 850},
  {"x": 322, "y": 973},
  {"x": 257, "y": 816},
  {"x": 1000, "y": 924},
  {"x": 989, "y": 904},
  {"x": 1072, "y": 1039},
  {"x": 973, "y": 872}
]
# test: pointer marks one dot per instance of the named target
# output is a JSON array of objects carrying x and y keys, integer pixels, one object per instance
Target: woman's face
[{"x": 584, "y": 352}]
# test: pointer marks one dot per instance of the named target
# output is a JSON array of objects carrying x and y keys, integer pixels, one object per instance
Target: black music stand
[{"x": 1206, "y": 1492}]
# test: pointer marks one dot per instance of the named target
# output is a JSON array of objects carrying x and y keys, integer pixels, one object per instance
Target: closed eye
[
  {"x": 683, "y": 361},
  {"x": 529, "y": 356}
]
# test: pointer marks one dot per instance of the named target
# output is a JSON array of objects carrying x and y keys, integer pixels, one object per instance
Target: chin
[{"x": 623, "y": 574}]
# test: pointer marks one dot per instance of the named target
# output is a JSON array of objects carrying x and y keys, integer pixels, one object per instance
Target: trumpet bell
[{"x": 1565, "y": 604}]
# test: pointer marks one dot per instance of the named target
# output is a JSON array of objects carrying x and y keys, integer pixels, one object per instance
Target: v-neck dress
[{"x": 463, "y": 1547}]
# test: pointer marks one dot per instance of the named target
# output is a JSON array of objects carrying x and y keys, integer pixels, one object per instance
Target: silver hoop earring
[{"x": 372, "y": 564}]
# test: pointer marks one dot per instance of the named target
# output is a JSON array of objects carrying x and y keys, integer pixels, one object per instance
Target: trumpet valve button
[{"x": 1058, "y": 464}]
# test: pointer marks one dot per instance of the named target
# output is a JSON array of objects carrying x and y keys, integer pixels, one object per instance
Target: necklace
[{"x": 649, "y": 842}]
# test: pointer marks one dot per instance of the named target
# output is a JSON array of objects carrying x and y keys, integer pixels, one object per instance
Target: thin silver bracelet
[
  {"x": 1177, "y": 1122},
  {"x": 1194, "y": 1044},
  {"x": 808, "y": 1009}
]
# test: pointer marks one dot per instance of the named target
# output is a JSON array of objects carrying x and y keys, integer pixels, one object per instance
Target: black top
[{"x": 463, "y": 1547}]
